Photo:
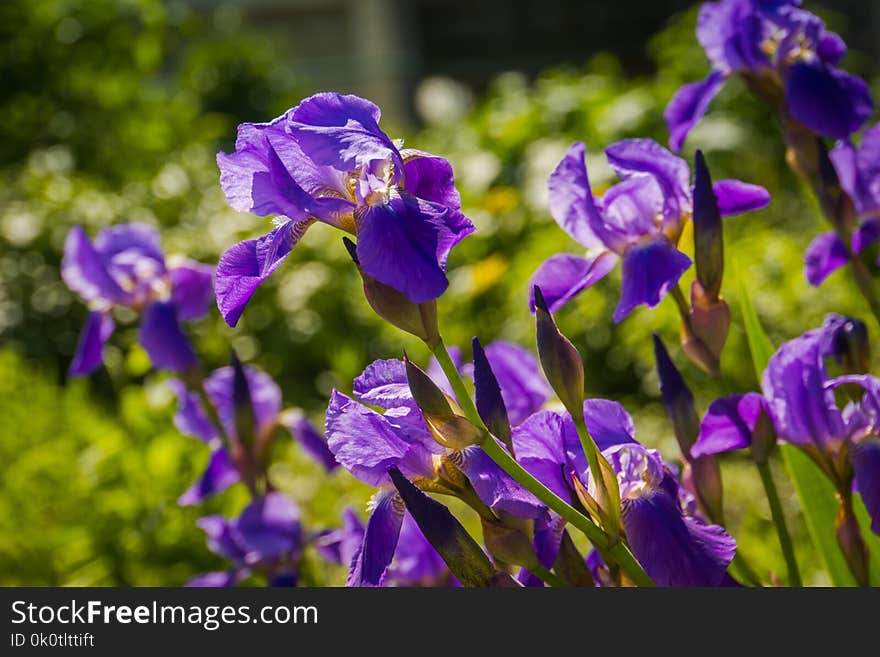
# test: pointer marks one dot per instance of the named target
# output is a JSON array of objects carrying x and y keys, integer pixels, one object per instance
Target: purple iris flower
[
  {"x": 858, "y": 169},
  {"x": 126, "y": 267},
  {"x": 327, "y": 160},
  {"x": 784, "y": 52},
  {"x": 369, "y": 442},
  {"x": 415, "y": 561},
  {"x": 638, "y": 220},
  {"x": 226, "y": 460},
  {"x": 799, "y": 397},
  {"x": 266, "y": 537},
  {"x": 676, "y": 549}
]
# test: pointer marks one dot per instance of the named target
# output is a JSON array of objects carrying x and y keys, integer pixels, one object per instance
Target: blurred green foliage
[{"x": 113, "y": 111}]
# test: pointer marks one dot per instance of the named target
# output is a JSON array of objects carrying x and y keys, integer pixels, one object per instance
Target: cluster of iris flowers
[{"x": 541, "y": 475}]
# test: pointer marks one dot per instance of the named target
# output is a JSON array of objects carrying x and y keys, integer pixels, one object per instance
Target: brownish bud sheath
[
  {"x": 446, "y": 426},
  {"x": 395, "y": 307}
]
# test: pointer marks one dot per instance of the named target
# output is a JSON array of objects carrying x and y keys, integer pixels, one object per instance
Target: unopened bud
[
  {"x": 487, "y": 393},
  {"x": 242, "y": 405},
  {"x": 678, "y": 399},
  {"x": 395, "y": 307},
  {"x": 708, "y": 232},
  {"x": 510, "y": 542},
  {"x": 849, "y": 537},
  {"x": 446, "y": 426},
  {"x": 463, "y": 555},
  {"x": 704, "y": 336},
  {"x": 705, "y": 475},
  {"x": 560, "y": 360}
]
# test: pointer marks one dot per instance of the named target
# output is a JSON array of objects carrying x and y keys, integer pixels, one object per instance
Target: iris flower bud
[
  {"x": 446, "y": 426},
  {"x": 560, "y": 360},
  {"x": 704, "y": 337},
  {"x": 459, "y": 550},
  {"x": 490, "y": 403},
  {"x": 510, "y": 542},
  {"x": 395, "y": 307},
  {"x": 679, "y": 402}
]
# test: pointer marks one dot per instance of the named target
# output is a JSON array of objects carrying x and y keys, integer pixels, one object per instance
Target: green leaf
[
  {"x": 817, "y": 496},
  {"x": 819, "y": 503}
]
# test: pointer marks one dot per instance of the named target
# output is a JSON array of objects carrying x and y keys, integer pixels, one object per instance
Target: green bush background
[{"x": 113, "y": 111}]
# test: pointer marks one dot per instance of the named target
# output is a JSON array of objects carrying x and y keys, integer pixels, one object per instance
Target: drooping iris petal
[
  {"x": 220, "y": 474},
  {"x": 728, "y": 424},
  {"x": 608, "y": 423},
  {"x": 689, "y": 105},
  {"x": 264, "y": 393},
  {"x": 547, "y": 445},
  {"x": 370, "y": 564},
  {"x": 636, "y": 157},
  {"x": 523, "y": 387},
  {"x": 367, "y": 443},
  {"x": 827, "y": 100},
  {"x": 649, "y": 270},
  {"x": 164, "y": 340},
  {"x": 341, "y": 131},
  {"x": 735, "y": 197},
  {"x": 244, "y": 266},
  {"x": 191, "y": 290},
  {"x": 405, "y": 243},
  {"x": 865, "y": 457},
  {"x": 89, "y": 354},
  {"x": 84, "y": 271},
  {"x": 495, "y": 487},
  {"x": 311, "y": 440},
  {"x": 571, "y": 199},
  {"x": 190, "y": 418},
  {"x": 825, "y": 255},
  {"x": 549, "y": 529},
  {"x": 563, "y": 276},
  {"x": 675, "y": 550},
  {"x": 269, "y": 527},
  {"x": 430, "y": 178}
]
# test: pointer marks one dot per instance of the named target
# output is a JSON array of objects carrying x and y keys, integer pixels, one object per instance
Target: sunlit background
[{"x": 113, "y": 110}]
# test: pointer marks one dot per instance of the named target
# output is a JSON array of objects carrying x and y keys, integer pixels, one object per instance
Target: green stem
[
  {"x": 457, "y": 383},
  {"x": 548, "y": 576},
  {"x": 683, "y": 307},
  {"x": 794, "y": 575},
  {"x": 616, "y": 551}
]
